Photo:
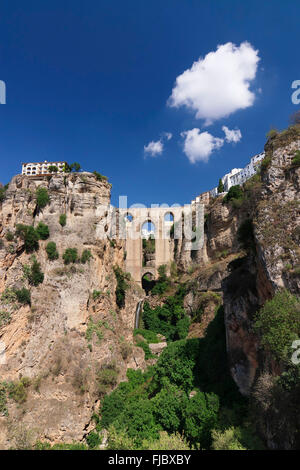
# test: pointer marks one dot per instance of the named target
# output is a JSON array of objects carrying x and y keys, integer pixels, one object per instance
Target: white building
[
  {"x": 240, "y": 175},
  {"x": 41, "y": 168}
]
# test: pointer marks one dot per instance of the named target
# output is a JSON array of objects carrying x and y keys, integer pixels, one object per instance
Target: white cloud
[
  {"x": 198, "y": 146},
  {"x": 168, "y": 135},
  {"x": 218, "y": 84},
  {"x": 232, "y": 135},
  {"x": 154, "y": 148}
]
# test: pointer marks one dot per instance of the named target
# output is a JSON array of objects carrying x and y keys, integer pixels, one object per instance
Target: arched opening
[
  {"x": 128, "y": 217},
  {"x": 169, "y": 217},
  {"x": 148, "y": 282},
  {"x": 148, "y": 243}
]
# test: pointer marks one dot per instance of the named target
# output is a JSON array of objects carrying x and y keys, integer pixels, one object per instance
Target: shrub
[
  {"x": 220, "y": 186},
  {"x": 30, "y": 237},
  {"x": 96, "y": 294},
  {"x": 5, "y": 317},
  {"x": 86, "y": 256},
  {"x": 163, "y": 282},
  {"x": 149, "y": 336},
  {"x": 94, "y": 328},
  {"x": 33, "y": 273},
  {"x": 170, "y": 319},
  {"x": 266, "y": 163},
  {"x": 278, "y": 323},
  {"x": 9, "y": 236},
  {"x": 42, "y": 231},
  {"x": 107, "y": 378},
  {"x": 52, "y": 169},
  {"x": 235, "y": 192},
  {"x": 93, "y": 440},
  {"x": 8, "y": 296},
  {"x": 296, "y": 159},
  {"x": 99, "y": 177},
  {"x": 17, "y": 390},
  {"x": 42, "y": 197},
  {"x": 200, "y": 416},
  {"x": 63, "y": 219},
  {"x": 226, "y": 440},
  {"x": 23, "y": 296},
  {"x": 272, "y": 133},
  {"x": 70, "y": 255},
  {"x": 121, "y": 286},
  {"x": 142, "y": 344},
  {"x": 75, "y": 166},
  {"x": 166, "y": 442},
  {"x": 52, "y": 251}
]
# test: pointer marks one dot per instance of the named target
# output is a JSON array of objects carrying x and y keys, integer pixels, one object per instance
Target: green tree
[
  {"x": 70, "y": 255},
  {"x": 75, "y": 166},
  {"x": 86, "y": 256},
  {"x": 42, "y": 231},
  {"x": 42, "y": 197},
  {"x": 220, "y": 186},
  {"x": 52, "y": 251},
  {"x": 63, "y": 219},
  {"x": 200, "y": 418},
  {"x": 234, "y": 193},
  {"x": 278, "y": 323},
  {"x": 2, "y": 193},
  {"x": 23, "y": 296},
  {"x": 121, "y": 286},
  {"x": 30, "y": 237},
  {"x": 52, "y": 169},
  {"x": 99, "y": 177},
  {"x": 34, "y": 273}
]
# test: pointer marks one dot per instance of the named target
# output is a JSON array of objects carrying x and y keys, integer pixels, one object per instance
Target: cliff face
[
  {"x": 73, "y": 327},
  {"x": 273, "y": 264}
]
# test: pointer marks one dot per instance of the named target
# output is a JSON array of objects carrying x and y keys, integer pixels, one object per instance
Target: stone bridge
[{"x": 162, "y": 219}]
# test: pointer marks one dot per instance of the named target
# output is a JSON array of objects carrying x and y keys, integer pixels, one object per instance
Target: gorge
[{"x": 83, "y": 342}]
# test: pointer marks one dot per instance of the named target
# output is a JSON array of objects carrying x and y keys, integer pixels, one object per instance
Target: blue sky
[{"x": 89, "y": 81}]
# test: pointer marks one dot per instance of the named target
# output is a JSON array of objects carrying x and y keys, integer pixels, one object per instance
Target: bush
[
  {"x": 42, "y": 197},
  {"x": 52, "y": 169},
  {"x": 272, "y": 133},
  {"x": 278, "y": 323},
  {"x": 33, "y": 273},
  {"x": 121, "y": 286},
  {"x": 70, "y": 255},
  {"x": 149, "y": 336},
  {"x": 296, "y": 159},
  {"x": 30, "y": 237},
  {"x": 170, "y": 319},
  {"x": 142, "y": 344},
  {"x": 220, "y": 186},
  {"x": 266, "y": 163},
  {"x": 93, "y": 440},
  {"x": 52, "y": 251},
  {"x": 96, "y": 294},
  {"x": 75, "y": 166},
  {"x": 23, "y": 296},
  {"x": 9, "y": 236},
  {"x": 162, "y": 284},
  {"x": 99, "y": 177},
  {"x": 86, "y": 256},
  {"x": 42, "y": 231},
  {"x": 107, "y": 378},
  {"x": 235, "y": 192},
  {"x": 63, "y": 219}
]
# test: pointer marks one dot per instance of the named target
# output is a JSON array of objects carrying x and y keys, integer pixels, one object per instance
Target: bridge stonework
[{"x": 164, "y": 244}]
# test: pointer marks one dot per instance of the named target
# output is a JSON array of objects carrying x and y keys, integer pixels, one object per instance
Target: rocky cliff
[{"x": 57, "y": 347}]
